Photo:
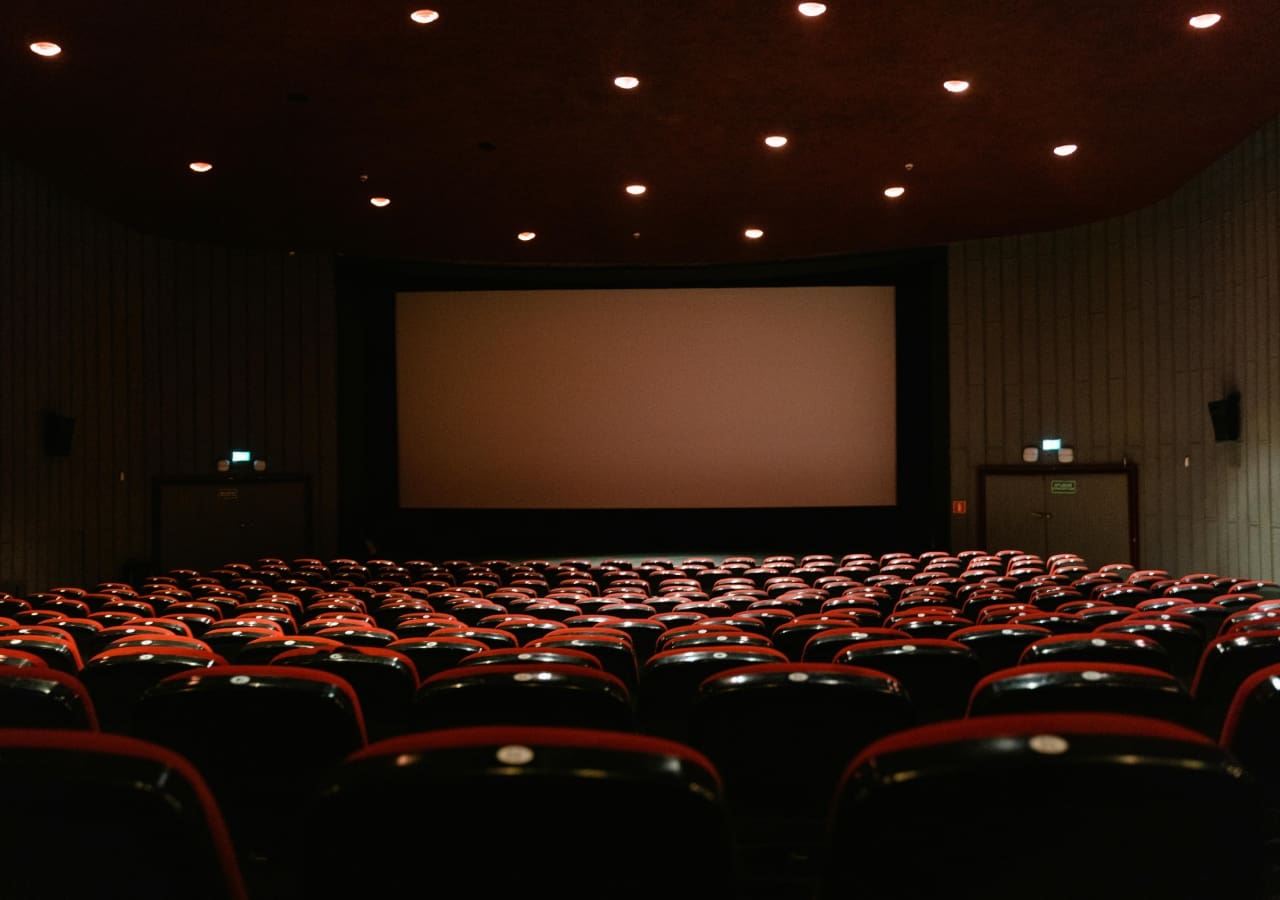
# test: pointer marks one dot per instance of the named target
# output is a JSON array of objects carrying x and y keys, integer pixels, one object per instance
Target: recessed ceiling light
[
  {"x": 424, "y": 16},
  {"x": 45, "y": 48},
  {"x": 200, "y": 166},
  {"x": 956, "y": 85},
  {"x": 812, "y": 9},
  {"x": 1204, "y": 20},
  {"x": 526, "y": 236},
  {"x": 636, "y": 190},
  {"x": 1065, "y": 149},
  {"x": 776, "y": 140},
  {"x": 895, "y": 191},
  {"x": 754, "y": 233},
  {"x": 380, "y": 201},
  {"x": 626, "y": 82}
]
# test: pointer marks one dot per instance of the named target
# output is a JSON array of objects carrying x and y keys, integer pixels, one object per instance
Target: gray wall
[
  {"x": 166, "y": 354},
  {"x": 1116, "y": 335}
]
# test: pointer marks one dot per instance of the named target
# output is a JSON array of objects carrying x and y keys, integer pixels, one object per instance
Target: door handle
[{"x": 1042, "y": 515}]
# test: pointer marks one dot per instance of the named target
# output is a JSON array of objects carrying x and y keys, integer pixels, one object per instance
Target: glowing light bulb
[
  {"x": 626, "y": 82},
  {"x": 1065, "y": 149},
  {"x": 200, "y": 166},
  {"x": 380, "y": 201},
  {"x": 45, "y": 48},
  {"x": 1204, "y": 20},
  {"x": 424, "y": 16},
  {"x": 894, "y": 192},
  {"x": 754, "y": 233}
]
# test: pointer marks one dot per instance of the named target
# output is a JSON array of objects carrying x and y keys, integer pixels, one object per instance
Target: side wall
[
  {"x": 166, "y": 354},
  {"x": 1115, "y": 336}
]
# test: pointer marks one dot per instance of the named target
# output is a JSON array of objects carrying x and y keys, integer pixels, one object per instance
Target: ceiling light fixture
[
  {"x": 1065, "y": 149},
  {"x": 200, "y": 166},
  {"x": 636, "y": 190},
  {"x": 1204, "y": 20},
  {"x": 776, "y": 140},
  {"x": 754, "y": 233},
  {"x": 956, "y": 86},
  {"x": 626, "y": 82},
  {"x": 380, "y": 201},
  {"x": 45, "y": 48},
  {"x": 424, "y": 16},
  {"x": 812, "y": 9},
  {"x": 526, "y": 236},
  {"x": 895, "y": 191}
]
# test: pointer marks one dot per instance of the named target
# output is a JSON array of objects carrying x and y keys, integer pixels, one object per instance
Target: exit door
[{"x": 1090, "y": 511}]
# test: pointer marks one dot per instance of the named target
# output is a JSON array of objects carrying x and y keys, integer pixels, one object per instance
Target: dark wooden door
[
  {"x": 1087, "y": 510},
  {"x": 202, "y": 523}
]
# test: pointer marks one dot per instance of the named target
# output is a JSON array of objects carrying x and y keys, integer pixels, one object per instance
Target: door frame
[{"x": 1040, "y": 471}]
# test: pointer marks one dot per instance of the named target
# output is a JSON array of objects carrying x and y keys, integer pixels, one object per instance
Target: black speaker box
[
  {"x": 1225, "y": 415},
  {"x": 58, "y": 430}
]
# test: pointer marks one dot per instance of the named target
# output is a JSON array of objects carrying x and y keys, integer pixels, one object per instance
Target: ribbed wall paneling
[
  {"x": 167, "y": 353},
  {"x": 1115, "y": 336}
]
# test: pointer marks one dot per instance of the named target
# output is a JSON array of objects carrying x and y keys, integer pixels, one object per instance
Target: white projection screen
[{"x": 696, "y": 398}]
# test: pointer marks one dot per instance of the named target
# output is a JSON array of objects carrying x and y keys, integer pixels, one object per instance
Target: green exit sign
[{"x": 1062, "y": 486}]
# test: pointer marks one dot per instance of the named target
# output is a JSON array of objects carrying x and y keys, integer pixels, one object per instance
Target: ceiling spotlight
[
  {"x": 526, "y": 236},
  {"x": 45, "y": 48},
  {"x": 1065, "y": 149},
  {"x": 776, "y": 140},
  {"x": 636, "y": 190},
  {"x": 1204, "y": 20},
  {"x": 199, "y": 166},
  {"x": 812, "y": 9},
  {"x": 424, "y": 16},
  {"x": 380, "y": 201},
  {"x": 956, "y": 86},
  {"x": 626, "y": 82},
  {"x": 894, "y": 192},
  {"x": 754, "y": 233}
]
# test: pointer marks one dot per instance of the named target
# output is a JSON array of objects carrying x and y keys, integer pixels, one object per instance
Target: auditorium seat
[
  {"x": 1184, "y": 641},
  {"x": 117, "y": 676},
  {"x": 1227, "y": 660},
  {"x": 1251, "y": 731},
  {"x": 780, "y": 734},
  {"x": 58, "y": 653},
  {"x": 508, "y": 811},
  {"x": 41, "y": 697},
  {"x": 384, "y": 680},
  {"x": 999, "y": 645},
  {"x": 669, "y": 681},
  {"x": 532, "y": 656},
  {"x": 523, "y": 693},
  {"x": 96, "y": 815},
  {"x": 827, "y": 645},
  {"x": 1100, "y": 646},
  {"x": 261, "y": 736},
  {"x": 614, "y": 649},
  {"x": 263, "y": 650},
  {"x": 1008, "y": 807},
  {"x": 937, "y": 673},
  {"x": 1091, "y": 686}
]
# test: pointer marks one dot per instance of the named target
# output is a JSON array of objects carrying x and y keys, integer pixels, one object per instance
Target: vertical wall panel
[
  {"x": 150, "y": 345},
  {"x": 1187, "y": 292}
]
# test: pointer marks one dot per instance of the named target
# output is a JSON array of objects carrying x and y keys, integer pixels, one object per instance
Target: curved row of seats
[{"x": 801, "y": 715}]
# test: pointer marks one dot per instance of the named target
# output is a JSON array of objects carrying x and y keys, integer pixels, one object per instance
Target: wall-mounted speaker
[
  {"x": 1225, "y": 416},
  {"x": 57, "y": 432}
]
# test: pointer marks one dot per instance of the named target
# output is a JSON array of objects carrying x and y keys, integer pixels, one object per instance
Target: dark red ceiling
[{"x": 502, "y": 117}]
